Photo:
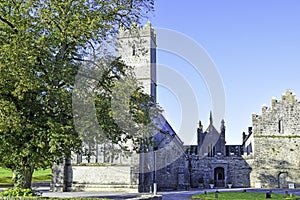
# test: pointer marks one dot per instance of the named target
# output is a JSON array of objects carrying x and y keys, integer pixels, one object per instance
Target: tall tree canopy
[{"x": 43, "y": 43}]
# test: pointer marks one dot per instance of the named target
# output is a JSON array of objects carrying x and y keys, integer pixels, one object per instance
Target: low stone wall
[{"x": 103, "y": 178}]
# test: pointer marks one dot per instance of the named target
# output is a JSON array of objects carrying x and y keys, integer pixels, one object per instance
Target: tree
[
  {"x": 113, "y": 109},
  {"x": 43, "y": 43}
]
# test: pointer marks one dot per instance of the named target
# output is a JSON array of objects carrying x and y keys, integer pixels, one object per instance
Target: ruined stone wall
[{"x": 276, "y": 132}]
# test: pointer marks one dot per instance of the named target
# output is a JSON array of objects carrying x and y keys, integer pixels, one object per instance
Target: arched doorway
[
  {"x": 282, "y": 183},
  {"x": 219, "y": 177}
]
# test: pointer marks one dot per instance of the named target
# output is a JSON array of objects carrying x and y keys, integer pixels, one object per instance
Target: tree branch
[{"x": 8, "y": 23}]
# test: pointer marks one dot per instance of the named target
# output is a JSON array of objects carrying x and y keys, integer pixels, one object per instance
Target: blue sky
[{"x": 255, "y": 46}]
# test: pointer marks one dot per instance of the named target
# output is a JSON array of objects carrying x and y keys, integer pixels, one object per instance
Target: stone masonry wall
[
  {"x": 276, "y": 160},
  {"x": 169, "y": 162},
  {"x": 236, "y": 170},
  {"x": 102, "y": 178},
  {"x": 275, "y": 156}
]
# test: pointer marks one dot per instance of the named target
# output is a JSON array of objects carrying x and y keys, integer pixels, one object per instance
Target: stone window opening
[
  {"x": 133, "y": 50},
  {"x": 280, "y": 126}
]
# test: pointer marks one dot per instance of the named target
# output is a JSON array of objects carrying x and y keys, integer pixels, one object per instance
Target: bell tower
[{"x": 137, "y": 48}]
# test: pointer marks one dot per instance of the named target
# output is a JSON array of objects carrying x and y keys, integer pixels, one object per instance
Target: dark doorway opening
[
  {"x": 219, "y": 177},
  {"x": 282, "y": 183}
]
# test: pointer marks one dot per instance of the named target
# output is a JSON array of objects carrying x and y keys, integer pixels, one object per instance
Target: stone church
[
  {"x": 164, "y": 163},
  {"x": 268, "y": 156}
]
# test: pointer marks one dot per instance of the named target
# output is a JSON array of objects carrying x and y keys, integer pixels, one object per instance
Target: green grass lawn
[
  {"x": 38, "y": 176},
  {"x": 239, "y": 196}
]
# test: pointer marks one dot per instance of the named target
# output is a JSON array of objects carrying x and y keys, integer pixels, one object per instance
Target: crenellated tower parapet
[
  {"x": 282, "y": 118},
  {"x": 137, "y": 31}
]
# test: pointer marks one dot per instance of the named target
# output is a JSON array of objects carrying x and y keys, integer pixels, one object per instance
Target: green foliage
[
  {"x": 239, "y": 196},
  {"x": 38, "y": 176},
  {"x": 17, "y": 192},
  {"x": 129, "y": 111},
  {"x": 43, "y": 44},
  {"x": 112, "y": 109}
]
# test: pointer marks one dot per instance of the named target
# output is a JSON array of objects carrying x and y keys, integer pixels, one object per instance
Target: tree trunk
[{"x": 23, "y": 177}]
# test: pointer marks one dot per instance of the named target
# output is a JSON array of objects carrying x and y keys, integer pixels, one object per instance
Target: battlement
[
  {"x": 138, "y": 31},
  {"x": 289, "y": 96},
  {"x": 282, "y": 118},
  {"x": 288, "y": 99}
]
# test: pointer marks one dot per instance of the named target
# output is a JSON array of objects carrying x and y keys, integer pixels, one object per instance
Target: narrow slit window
[
  {"x": 280, "y": 126},
  {"x": 133, "y": 50}
]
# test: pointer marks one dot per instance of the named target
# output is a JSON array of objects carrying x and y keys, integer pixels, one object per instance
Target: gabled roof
[{"x": 211, "y": 129}]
